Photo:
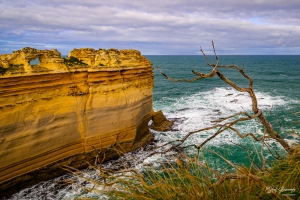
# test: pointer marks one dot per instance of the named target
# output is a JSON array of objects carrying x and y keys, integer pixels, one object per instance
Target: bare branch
[
  {"x": 224, "y": 66},
  {"x": 278, "y": 157},
  {"x": 240, "y": 113},
  {"x": 210, "y": 75},
  {"x": 217, "y": 59},
  {"x": 178, "y": 80},
  {"x": 262, "y": 152},
  {"x": 248, "y": 134},
  {"x": 236, "y": 67},
  {"x": 222, "y": 127},
  {"x": 232, "y": 84},
  {"x": 209, "y": 61}
]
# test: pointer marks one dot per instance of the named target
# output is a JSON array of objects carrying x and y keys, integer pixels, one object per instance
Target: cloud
[{"x": 154, "y": 27}]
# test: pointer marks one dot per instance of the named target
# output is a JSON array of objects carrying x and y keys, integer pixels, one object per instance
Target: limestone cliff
[{"x": 65, "y": 111}]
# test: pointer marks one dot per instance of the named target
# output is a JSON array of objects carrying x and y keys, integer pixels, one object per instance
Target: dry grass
[
  {"x": 285, "y": 174},
  {"x": 189, "y": 178},
  {"x": 193, "y": 178}
]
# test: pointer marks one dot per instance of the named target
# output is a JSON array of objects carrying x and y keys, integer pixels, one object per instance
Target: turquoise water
[
  {"x": 276, "y": 83},
  {"x": 195, "y": 105}
]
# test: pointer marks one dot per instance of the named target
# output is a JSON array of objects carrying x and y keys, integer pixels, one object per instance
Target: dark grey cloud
[{"x": 154, "y": 27}]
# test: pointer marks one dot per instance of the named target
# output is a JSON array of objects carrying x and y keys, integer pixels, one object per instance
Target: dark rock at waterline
[
  {"x": 177, "y": 121},
  {"x": 183, "y": 109},
  {"x": 217, "y": 120},
  {"x": 160, "y": 122},
  {"x": 186, "y": 109},
  {"x": 229, "y": 94}
]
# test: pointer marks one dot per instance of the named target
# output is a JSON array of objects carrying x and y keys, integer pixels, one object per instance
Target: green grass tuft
[{"x": 71, "y": 61}]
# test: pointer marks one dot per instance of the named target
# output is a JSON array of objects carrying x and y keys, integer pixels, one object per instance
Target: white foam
[{"x": 198, "y": 110}]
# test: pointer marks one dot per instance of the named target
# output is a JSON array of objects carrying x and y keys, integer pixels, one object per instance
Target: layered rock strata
[{"x": 90, "y": 106}]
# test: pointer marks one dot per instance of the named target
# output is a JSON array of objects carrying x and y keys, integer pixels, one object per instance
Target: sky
[{"x": 155, "y": 27}]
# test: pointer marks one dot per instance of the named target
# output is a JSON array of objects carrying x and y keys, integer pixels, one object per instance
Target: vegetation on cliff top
[
  {"x": 73, "y": 61},
  {"x": 12, "y": 69},
  {"x": 189, "y": 178}
]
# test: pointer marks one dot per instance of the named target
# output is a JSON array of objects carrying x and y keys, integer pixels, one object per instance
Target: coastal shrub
[
  {"x": 13, "y": 69},
  {"x": 72, "y": 61},
  {"x": 3, "y": 70}
]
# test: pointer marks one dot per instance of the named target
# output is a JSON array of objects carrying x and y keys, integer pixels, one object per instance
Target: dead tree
[{"x": 243, "y": 116}]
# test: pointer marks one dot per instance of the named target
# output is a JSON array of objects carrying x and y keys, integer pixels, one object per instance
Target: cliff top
[{"x": 83, "y": 59}]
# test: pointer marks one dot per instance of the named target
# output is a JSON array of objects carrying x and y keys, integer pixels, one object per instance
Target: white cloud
[{"x": 175, "y": 27}]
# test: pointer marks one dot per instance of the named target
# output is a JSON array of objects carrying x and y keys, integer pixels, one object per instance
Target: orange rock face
[{"x": 68, "y": 111}]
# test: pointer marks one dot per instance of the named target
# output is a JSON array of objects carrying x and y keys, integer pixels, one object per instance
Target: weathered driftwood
[{"x": 270, "y": 132}]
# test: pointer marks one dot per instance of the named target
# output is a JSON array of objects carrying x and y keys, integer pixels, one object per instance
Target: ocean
[{"x": 193, "y": 105}]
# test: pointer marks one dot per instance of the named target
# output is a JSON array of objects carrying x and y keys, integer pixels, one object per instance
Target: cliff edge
[{"x": 66, "y": 111}]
